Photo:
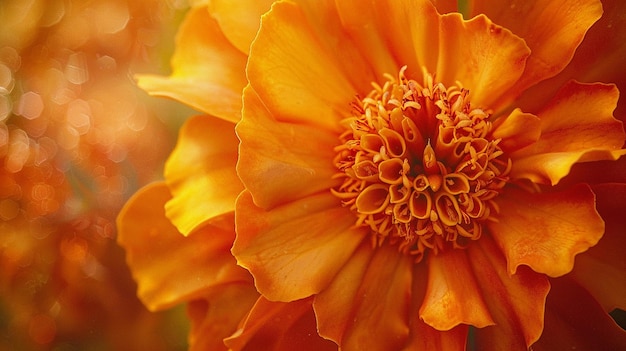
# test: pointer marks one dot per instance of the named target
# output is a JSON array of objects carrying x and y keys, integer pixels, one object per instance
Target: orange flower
[
  {"x": 431, "y": 191},
  {"x": 188, "y": 220},
  {"x": 423, "y": 181}
]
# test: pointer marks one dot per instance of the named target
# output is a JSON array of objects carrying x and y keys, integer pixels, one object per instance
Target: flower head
[
  {"x": 414, "y": 176},
  {"x": 432, "y": 189}
]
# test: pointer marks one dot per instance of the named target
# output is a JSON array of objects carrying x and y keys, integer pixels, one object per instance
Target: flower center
[{"x": 419, "y": 165}]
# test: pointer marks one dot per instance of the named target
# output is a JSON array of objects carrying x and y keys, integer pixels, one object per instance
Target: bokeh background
[{"x": 77, "y": 138}]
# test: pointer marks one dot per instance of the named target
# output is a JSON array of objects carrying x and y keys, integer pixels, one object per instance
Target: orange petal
[
  {"x": 295, "y": 76},
  {"x": 168, "y": 267},
  {"x": 602, "y": 270},
  {"x": 201, "y": 173},
  {"x": 388, "y": 35},
  {"x": 218, "y": 314},
  {"x": 597, "y": 172},
  {"x": 208, "y": 71},
  {"x": 516, "y": 302},
  {"x": 545, "y": 231},
  {"x": 423, "y": 337},
  {"x": 575, "y": 321},
  {"x": 599, "y": 58},
  {"x": 517, "y": 130},
  {"x": 239, "y": 20},
  {"x": 367, "y": 304},
  {"x": 279, "y": 326},
  {"x": 282, "y": 162},
  {"x": 452, "y": 294},
  {"x": 295, "y": 250},
  {"x": 552, "y": 29},
  {"x": 485, "y": 58},
  {"x": 577, "y": 126}
]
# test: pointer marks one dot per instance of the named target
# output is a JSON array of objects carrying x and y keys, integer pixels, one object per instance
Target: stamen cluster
[{"x": 419, "y": 166}]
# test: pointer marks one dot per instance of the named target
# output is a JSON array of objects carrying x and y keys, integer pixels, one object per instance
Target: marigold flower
[{"x": 422, "y": 180}]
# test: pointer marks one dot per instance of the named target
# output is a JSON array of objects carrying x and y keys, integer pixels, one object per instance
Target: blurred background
[{"x": 77, "y": 138}]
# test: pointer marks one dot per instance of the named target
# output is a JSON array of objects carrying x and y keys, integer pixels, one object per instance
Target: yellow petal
[
  {"x": 168, "y": 267},
  {"x": 295, "y": 250},
  {"x": 218, "y": 314},
  {"x": 452, "y": 293},
  {"x": 516, "y": 302},
  {"x": 367, "y": 304},
  {"x": 208, "y": 71},
  {"x": 281, "y": 162},
  {"x": 552, "y": 29},
  {"x": 279, "y": 326},
  {"x": 239, "y": 20},
  {"x": 577, "y": 126},
  {"x": 545, "y": 231},
  {"x": 201, "y": 173},
  {"x": 295, "y": 76}
]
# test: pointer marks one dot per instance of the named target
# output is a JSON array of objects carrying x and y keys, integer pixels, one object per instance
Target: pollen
[{"x": 418, "y": 165}]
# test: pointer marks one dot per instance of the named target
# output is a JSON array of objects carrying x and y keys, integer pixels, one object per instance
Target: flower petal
[
  {"x": 577, "y": 126},
  {"x": 545, "y": 231},
  {"x": 293, "y": 73},
  {"x": 282, "y": 162},
  {"x": 279, "y": 326},
  {"x": 201, "y": 173},
  {"x": 160, "y": 257},
  {"x": 208, "y": 72},
  {"x": 552, "y": 29},
  {"x": 389, "y": 36},
  {"x": 485, "y": 58},
  {"x": 367, "y": 304},
  {"x": 602, "y": 270},
  {"x": 517, "y": 130},
  {"x": 516, "y": 301},
  {"x": 239, "y": 20},
  {"x": 575, "y": 321},
  {"x": 599, "y": 58},
  {"x": 295, "y": 250},
  {"x": 218, "y": 314},
  {"x": 423, "y": 337},
  {"x": 452, "y": 294}
]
